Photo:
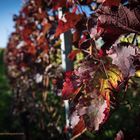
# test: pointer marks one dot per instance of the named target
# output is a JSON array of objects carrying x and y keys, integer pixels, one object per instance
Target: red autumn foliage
[
  {"x": 70, "y": 21},
  {"x": 73, "y": 54},
  {"x": 96, "y": 86},
  {"x": 111, "y": 2}
]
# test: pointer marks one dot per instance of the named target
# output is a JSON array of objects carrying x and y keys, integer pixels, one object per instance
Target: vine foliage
[{"x": 99, "y": 82}]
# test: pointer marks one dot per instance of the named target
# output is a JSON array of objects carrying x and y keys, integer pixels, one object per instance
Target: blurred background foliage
[{"x": 9, "y": 123}]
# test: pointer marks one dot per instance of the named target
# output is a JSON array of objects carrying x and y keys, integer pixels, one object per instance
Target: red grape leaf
[
  {"x": 79, "y": 128},
  {"x": 73, "y": 54},
  {"x": 70, "y": 20},
  {"x": 68, "y": 90},
  {"x": 112, "y": 24},
  {"x": 124, "y": 57},
  {"x": 92, "y": 103},
  {"x": 58, "y": 4},
  {"x": 111, "y": 2},
  {"x": 76, "y": 37},
  {"x": 119, "y": 136},
  {"x": 84, "y": 2},
  {"x": 31, "y": 50},
  {"x": 94, "y": 111},
  {"x": 70, "y": 86}
]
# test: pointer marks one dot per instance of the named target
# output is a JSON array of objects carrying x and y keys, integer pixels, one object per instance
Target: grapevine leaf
[
  {"x": 112, "y": 24},
  {"x": 70, "y": 87},
  {"x": 73, "y": 54},
  {"x": 69, "y": 21},
  {"x": 93, "y": 112},
  {"x": 84, "y": 2},
  {"x": 84, "y": 43},
  {"x": 93, "y": 106},
  {"x": 76, "y": 37},
  {"x": 58, "y": 3},
  {"x": 111, "y": 2},
  {"x": 126, "y": 58},
  {"x": 79, "y": 128},
  {"x": 97, "y": 113},
  {"x": 119, "y": 136}
]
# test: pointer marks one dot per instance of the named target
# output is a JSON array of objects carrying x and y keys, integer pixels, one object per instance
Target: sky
[{"x": 7, "y": 9}]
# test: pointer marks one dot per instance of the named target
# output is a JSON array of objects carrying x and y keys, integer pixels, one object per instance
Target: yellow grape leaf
[
  {"x": 137, "y": 74},
  {"x": 114, "y": 76}
]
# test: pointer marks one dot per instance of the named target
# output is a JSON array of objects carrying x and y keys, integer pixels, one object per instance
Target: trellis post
[{"x": 67, "y": 65}]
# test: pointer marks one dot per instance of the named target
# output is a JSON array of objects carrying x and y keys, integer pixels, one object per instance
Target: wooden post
[{"x": 67, "y": 65}]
